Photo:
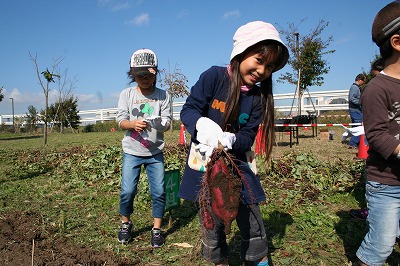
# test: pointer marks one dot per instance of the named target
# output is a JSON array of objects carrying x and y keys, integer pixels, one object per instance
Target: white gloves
[
  {"x": 227, "y": 140},
  {"x": 210, "y": 133},
  {"x": 203, "y": 148}
]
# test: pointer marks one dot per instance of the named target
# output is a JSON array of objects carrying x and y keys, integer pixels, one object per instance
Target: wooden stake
[
  {"x": 170, "y": 219},
  {"x": 33, "y": 249}
]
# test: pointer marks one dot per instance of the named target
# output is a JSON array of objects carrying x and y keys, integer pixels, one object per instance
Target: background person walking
[{"x": 355, "y": 109}]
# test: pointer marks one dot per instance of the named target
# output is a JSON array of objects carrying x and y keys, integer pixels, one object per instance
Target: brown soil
[{"x": 23, "y": 239}]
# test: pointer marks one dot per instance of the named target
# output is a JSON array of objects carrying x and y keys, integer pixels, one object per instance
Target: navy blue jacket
[{"x": 207, "y": 99}]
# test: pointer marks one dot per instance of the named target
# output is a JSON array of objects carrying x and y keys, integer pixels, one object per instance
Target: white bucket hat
[{"x": 255, "y": 32}]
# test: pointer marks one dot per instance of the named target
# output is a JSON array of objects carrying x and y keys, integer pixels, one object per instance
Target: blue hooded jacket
[{"x": 207, "y": 99}]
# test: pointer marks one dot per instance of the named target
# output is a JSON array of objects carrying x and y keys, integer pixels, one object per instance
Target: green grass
[{"x": 73, "y": 183}]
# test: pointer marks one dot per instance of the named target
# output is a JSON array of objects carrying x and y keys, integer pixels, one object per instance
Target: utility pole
[
  {"x": 298, "y": 75},
  {"x": 12, "y": 104}
]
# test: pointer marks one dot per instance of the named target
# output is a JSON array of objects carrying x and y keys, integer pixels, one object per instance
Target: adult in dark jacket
[{"x": 355, "y": 109}]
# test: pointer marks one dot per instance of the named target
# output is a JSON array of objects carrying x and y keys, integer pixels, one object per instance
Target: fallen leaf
[{"x": 183, "y": 245}]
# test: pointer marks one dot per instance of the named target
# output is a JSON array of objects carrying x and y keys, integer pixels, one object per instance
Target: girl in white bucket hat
[{"x": 226, "y": 106}]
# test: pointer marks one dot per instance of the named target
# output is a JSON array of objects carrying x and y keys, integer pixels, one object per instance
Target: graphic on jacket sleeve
[{"x": 243, "y": 118}]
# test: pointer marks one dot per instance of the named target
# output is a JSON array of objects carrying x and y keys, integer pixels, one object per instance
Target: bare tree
[
  {"x": 48, "y": 75},
  {"x": 176, "y": 83},
  {"x": 65, "y": 87}
]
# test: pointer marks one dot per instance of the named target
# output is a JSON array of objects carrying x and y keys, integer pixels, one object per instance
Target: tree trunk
[
  {"x": 45, "y": 115},
  {"x": 172, "y": 115}
]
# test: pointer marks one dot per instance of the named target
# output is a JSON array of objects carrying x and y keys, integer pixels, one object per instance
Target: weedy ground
[{"x": 59, "y": 203}]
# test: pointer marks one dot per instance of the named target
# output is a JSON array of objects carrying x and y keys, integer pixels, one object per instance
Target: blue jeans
[
  {"x": 131, "y": 168},
  {"x": 356, "y": 117},
  {"x": 383, "y": 203}
]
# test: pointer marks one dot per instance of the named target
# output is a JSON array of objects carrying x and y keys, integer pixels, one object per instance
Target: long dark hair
[{"x": 230, "y": 116}]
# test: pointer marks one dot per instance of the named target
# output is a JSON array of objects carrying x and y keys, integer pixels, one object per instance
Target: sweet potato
[
  {"x": 225, "y": 193},
  {"x": 221, "y": 187},
  {"x": 207, "y": 219},
  {"x": 226, "y": 212}
]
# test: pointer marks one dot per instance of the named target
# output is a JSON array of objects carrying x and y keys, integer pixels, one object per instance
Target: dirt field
[
  {"x": 24, "y": 240},
  {"x": 17, "y": 247}
]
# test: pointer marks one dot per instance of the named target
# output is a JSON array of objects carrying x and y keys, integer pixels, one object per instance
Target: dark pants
[
  {"x": 356, "y": 117},
  {"x": 252, "y": 231}
]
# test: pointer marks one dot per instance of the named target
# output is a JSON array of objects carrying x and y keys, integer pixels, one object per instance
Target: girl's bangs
[{"x": 272, "y": 52}]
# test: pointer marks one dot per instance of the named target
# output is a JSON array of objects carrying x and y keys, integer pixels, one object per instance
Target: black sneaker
[
  {"x": 125, "y": 232},
  {"x": 360, "y": 214},
  {"x": 157, "y": 240}
]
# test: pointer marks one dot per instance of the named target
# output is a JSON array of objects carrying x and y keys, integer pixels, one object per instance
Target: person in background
[
  {"x": 381, "y": 108},
  {"x": 144, "y": 112},
  {"x": 376, "y": 67},
  {"x": 355, "y": 110},
  {"x": 227, "y": 106}
]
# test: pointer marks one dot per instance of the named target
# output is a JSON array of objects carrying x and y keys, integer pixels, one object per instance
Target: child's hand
[
  {"x": 227, "y": 140},
  {"x": 208, "y": 132},
  {"x": 158, "y": 123},
  {"x": 153, "y": 121},
  {"x": 203, "y": 148},
  {"x": 139, "y": 125}
]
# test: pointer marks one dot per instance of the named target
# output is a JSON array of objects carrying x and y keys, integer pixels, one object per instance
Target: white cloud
[
  {"x": 114, "y": 5},
  {"x": 28, "y": 98},
  {"x": 142, "y": 19},
  {"x": 103, "y": 2},
  {"x": 23, "y": 99},
  {"x": 231, "y": 14},
  {"x": 97, "y": 98},
  {"x": 120, "y": 6},
  {"x": 344, "y": 39},
  {"x": 94, "y": 102},
  {"x": 87, "y": 98},
  {"x": 115, "y": 95}
]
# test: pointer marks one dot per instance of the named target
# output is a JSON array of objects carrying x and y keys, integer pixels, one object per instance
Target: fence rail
[{"x": 317, "y": 102}]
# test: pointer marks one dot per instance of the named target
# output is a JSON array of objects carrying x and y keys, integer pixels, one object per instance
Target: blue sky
[{"x": 97, "y": 37}]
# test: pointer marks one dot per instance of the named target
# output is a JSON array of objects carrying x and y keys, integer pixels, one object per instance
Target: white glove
[
  {"x": 203, "y": 148},
  {"x": 227, "y": 140},
  {"x": 208, "y": 132}
]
